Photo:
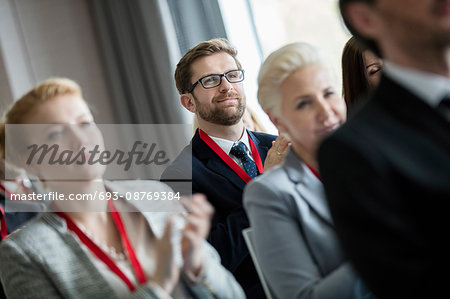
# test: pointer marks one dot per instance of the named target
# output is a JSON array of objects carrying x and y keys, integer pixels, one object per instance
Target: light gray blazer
[
  {"x": 294, "y": 236},
  {"x": 45, "y": 260}
]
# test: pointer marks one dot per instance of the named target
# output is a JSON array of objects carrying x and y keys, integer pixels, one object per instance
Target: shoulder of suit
[
  {"x": 272, "y": 178},
  {"x": 264, "y": 136},
  {"x": 269, "y": 189},
  {"x": 29, "y": 234},
  {"x": 180, "y": 168},
  {"x": 186, "y": 152}
]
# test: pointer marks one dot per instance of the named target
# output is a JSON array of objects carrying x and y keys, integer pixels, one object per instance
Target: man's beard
[{"x": 219, "y": 115}]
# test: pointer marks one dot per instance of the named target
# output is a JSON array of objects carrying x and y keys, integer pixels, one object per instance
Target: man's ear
[
  {"x": 187, "y": 100},
  {"x": 363, "y": 18},
  {"x": 277, "y": 122}
]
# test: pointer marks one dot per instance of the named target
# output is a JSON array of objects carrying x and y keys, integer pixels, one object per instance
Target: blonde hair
[
  {"x": 183, "y": 72},
  {"x": 258, "y": 126},
  {"x": 278, "y": 66},
  {"x": 44, "y": 91}
]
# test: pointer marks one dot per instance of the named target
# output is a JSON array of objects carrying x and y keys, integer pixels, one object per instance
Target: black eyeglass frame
[{"x": 220, "y": 81}]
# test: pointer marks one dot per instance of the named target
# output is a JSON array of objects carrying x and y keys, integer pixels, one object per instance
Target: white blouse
[{"x": 142, "y": 240}]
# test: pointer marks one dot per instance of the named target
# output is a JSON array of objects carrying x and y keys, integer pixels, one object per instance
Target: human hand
[
  {"x": 167, "y": 273},
  {"x": 198, "y": 221},
  {"x": 276, "y": 153}
]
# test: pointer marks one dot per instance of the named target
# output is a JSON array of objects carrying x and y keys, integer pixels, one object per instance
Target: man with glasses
[{"x": 225, "y": 156}]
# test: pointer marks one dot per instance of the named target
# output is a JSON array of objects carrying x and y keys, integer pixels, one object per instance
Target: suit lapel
[
  {"x": 307, "y": 185},
  {"x": 262, "y": 149},
  {"x": 222, "y": 169},
  {"x": 214, "y": 163}
]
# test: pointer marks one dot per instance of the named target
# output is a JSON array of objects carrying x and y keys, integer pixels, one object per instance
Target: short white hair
[{"x": 281, "y": 64}]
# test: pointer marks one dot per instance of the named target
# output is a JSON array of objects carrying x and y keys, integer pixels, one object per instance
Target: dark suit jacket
[
  {"x": 15, "y": 219},
  {"x": 223, "y": 188},
  {"x": 387, "y": 177}
]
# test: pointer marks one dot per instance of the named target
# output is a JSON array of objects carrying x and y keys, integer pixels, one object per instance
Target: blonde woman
[
  {"x": 98, "y": 251},
  {"x": 293, "y": 233}
]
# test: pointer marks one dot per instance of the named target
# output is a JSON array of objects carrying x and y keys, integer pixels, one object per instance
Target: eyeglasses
[{"x": 215, "y": 80}]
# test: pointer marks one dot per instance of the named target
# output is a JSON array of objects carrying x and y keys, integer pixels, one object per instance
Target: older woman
[
  {"x": 92, "y": 249},
  {"x": 293, "y": 233}
]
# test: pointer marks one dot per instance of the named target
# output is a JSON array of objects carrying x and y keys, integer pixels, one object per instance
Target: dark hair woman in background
[{"x": 360, "y": 72}]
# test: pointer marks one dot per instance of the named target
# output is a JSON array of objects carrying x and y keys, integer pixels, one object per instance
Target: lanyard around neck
[
  {"x": 3, "y": 227},
  {"x": 230, "y": 162},
  {"x": 98, "y": 252},
  {"x": 315, "y": 172}
]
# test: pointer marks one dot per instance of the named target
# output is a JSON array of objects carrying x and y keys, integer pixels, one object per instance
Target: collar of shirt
[
  {"x": 226, "y": 145},
  {"x": 430, "y": 87}
]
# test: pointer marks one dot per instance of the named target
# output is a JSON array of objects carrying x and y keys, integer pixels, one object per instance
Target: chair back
[{"x": 247, "y": 233}]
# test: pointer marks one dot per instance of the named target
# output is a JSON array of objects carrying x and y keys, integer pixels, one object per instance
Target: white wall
[
  {"x": 240, "y": 32},
  {"x": 45, "y": 38},
  {"x": 5, "y": 90}
]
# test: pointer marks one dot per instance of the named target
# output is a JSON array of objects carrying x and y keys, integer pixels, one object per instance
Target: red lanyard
[
  {"x": 97, "y": 251},
  {"x": 315, "y": 172},
  {"x": 3, "y": 227},
  {"x": 6, "y": 192},
  {"x": 230, "y": 162}
]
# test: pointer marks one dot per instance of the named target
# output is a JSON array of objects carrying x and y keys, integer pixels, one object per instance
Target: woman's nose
[
  {"x": 78, "y": 137},
  {"x": 325, "y": 110}
]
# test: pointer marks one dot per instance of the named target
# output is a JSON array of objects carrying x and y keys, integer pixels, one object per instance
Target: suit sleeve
[
  {"x": 217, "y": 281},
  {"x": 21, "y": 277},
  {"x": 283, "y": 253},
  {"x": 370, "y": 218},
  {"x": 178, "y": 179}
]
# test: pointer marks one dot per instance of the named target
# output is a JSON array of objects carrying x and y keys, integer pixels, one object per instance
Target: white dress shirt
[
  {"x": 429, "y": 87},
  {"x": 226, "y": 146}
]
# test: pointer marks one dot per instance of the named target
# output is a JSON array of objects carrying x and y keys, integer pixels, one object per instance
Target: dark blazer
[
  {"x": 15, "y": 219},
  {"x": 387, "y": 177},
  {"x": 223, "y": 188}
]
